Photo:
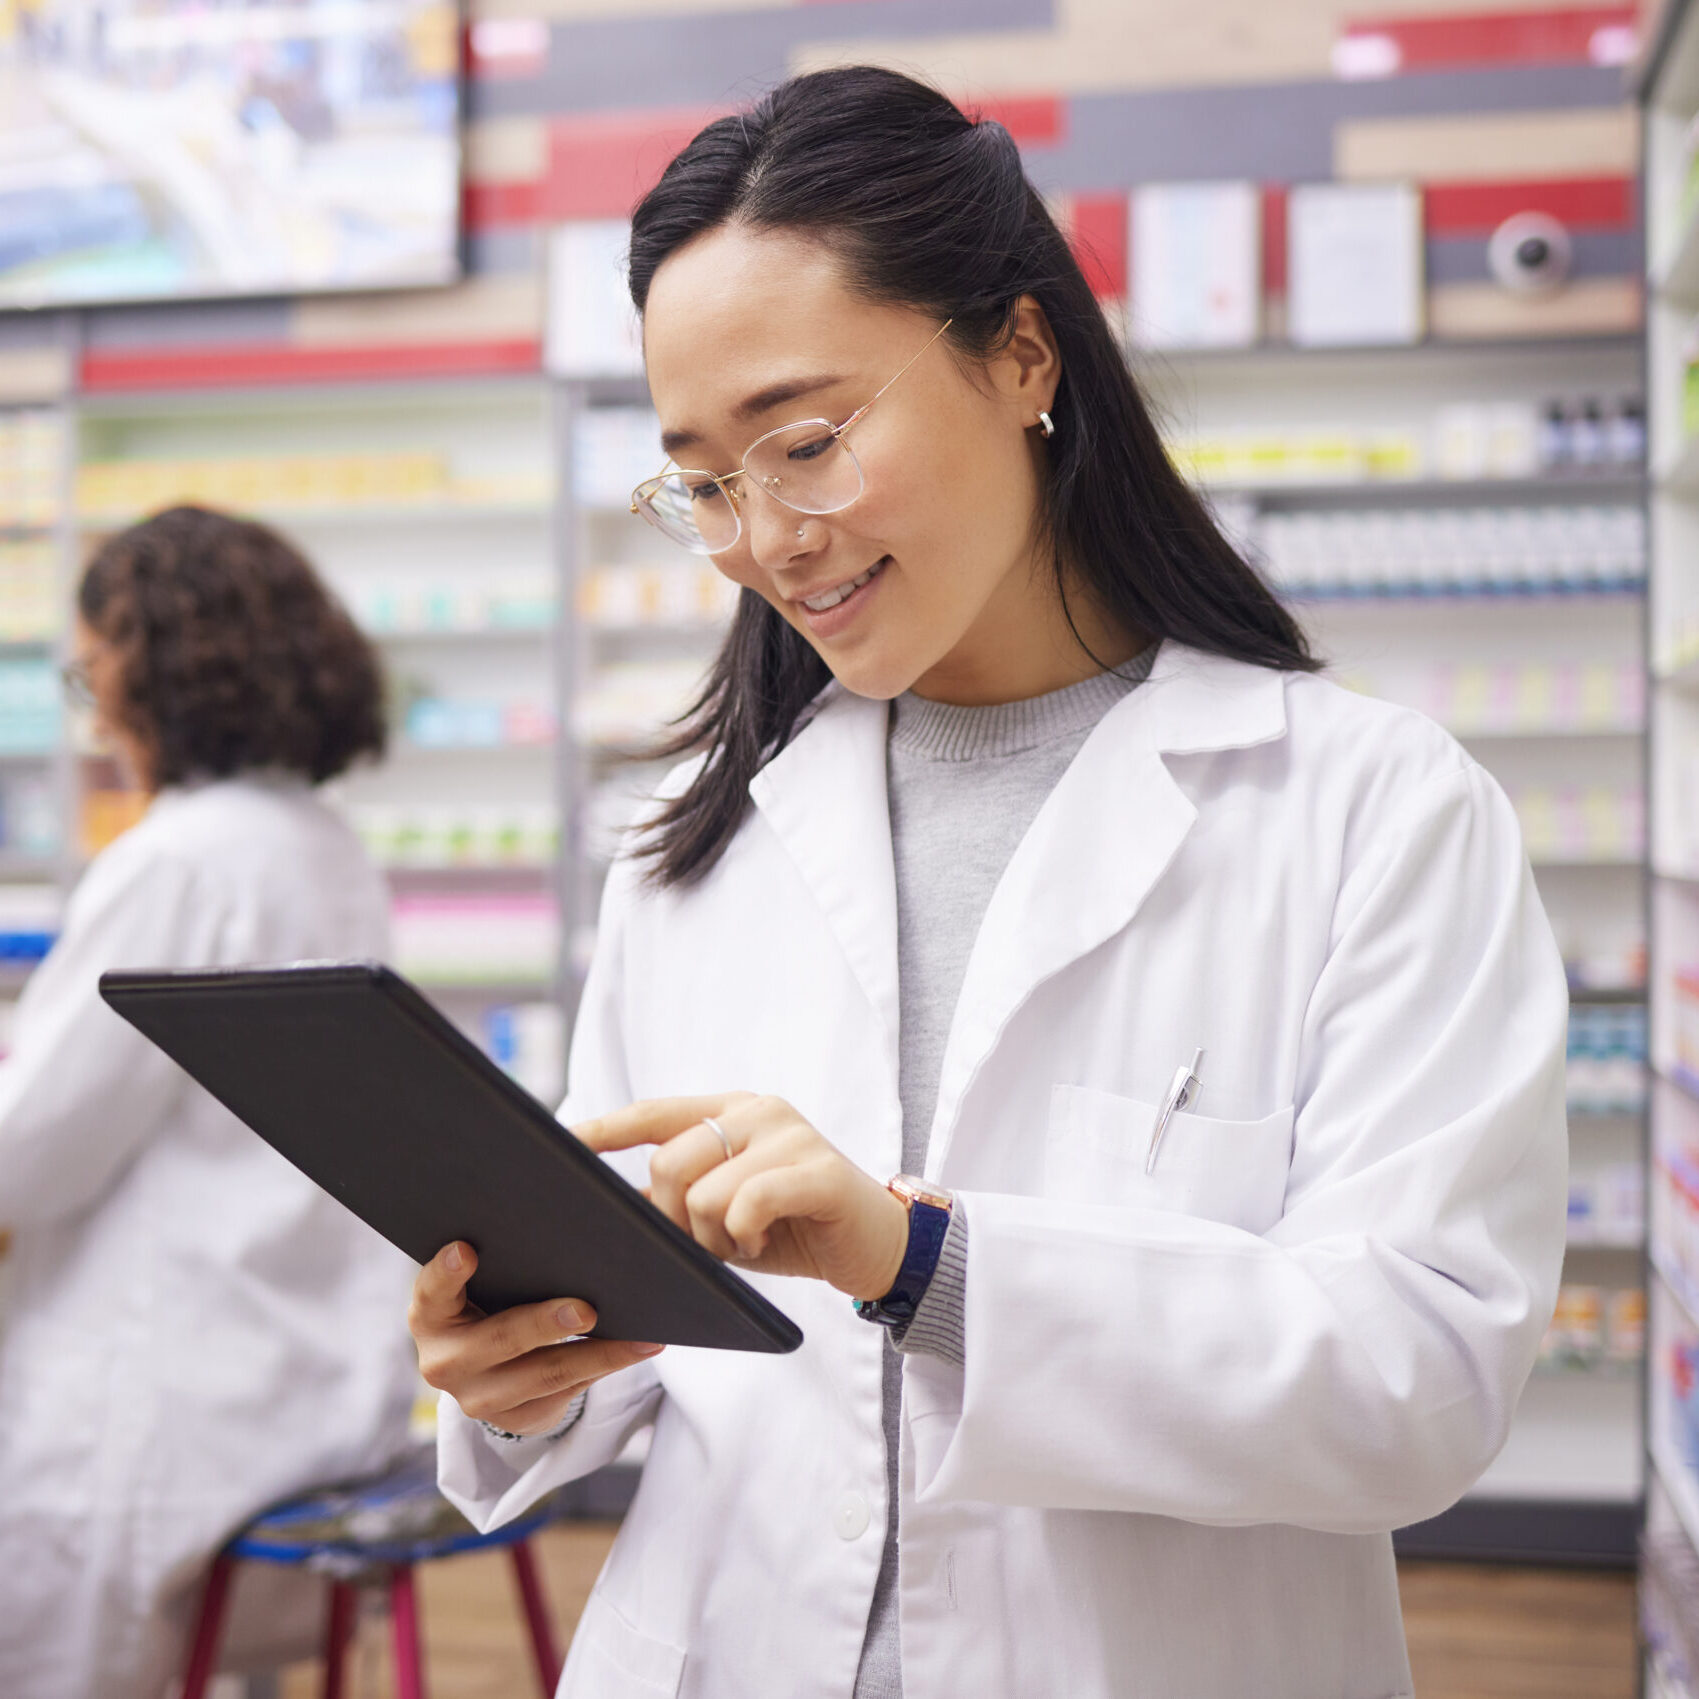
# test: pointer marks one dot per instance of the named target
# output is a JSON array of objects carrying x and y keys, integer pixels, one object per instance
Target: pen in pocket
[{"x": 1182, "y": 1093}]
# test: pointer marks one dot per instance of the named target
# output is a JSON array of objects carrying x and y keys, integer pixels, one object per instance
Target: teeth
[{"x": 831, "y": 598}]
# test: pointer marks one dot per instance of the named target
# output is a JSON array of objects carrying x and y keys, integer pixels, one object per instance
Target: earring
[{"x": 1046, "y": 426}]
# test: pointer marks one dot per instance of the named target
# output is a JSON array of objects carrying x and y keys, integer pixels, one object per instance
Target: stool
[{"x": 373, "y": 1533}]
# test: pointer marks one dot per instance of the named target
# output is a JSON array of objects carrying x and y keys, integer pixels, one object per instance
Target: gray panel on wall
[
  {"x": 702, "y": 59},
  {"x": 186, "y": 324},
  {"x": 1598, "y": 253},
  {"x": 1280, "y": 132}
]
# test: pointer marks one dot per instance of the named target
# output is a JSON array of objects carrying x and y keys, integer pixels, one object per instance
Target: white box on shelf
[
  {"x": 591, "y": 328},
  {"x": 1354, "y": 264},
  {"x": 1195, "y": 265}
]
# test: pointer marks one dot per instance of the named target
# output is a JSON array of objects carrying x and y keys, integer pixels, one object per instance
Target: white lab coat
[
  {"x": 1196, "y": 1401},
  {"x": 193, "y": 1328}
]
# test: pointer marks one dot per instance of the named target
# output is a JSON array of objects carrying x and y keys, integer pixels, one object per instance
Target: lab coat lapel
[
  {"x": 1103, "y": 838},
  {"x": 825, "y": 797}
]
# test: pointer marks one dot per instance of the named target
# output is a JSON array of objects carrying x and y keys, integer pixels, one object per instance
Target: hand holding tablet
[
  {"x": 519, "y": 1370},
  {"x": 352, "y": 1075}
]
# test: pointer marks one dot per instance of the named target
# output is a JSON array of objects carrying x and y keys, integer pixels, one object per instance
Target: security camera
[{"x": 1530, "y": 254}]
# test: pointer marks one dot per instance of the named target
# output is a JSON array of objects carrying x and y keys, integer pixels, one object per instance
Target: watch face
[{"x": 912, "y": 1189}]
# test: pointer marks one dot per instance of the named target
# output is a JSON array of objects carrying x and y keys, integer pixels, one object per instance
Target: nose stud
[{"x": 799, "y": 530}]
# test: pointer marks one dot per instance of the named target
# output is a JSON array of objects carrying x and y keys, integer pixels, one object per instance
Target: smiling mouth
[{"x": 830, "y": 598}]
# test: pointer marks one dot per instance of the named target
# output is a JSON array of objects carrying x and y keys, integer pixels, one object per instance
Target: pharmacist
[
  {"x": 1028, "y": 854},
  {"x": 193, "y": 1330}
]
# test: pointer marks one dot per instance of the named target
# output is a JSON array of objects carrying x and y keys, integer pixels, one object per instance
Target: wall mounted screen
[{"x": 181, "y": 148}]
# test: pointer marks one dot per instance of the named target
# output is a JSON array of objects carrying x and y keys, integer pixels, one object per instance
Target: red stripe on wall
[
  {"x": 1583, "y": 203},
  {"x": 1569, "y": 36},
  {"x": 488, "y": 206},
  {"x": 1034, "y": 120},
  {"x": 251, "y": 363},
  {"x": 1098, "y": 236},
  {"x": 1274, "y": 239},
  {"x": 601, "y": 164}
]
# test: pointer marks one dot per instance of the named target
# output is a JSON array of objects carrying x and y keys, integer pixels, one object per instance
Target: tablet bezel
[{"x": 149, "y": 990}]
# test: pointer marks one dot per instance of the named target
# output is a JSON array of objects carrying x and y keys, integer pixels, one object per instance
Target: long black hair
[{"x": 924, "y": 207}]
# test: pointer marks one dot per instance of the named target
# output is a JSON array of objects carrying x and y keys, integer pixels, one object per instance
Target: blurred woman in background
[{"x": 194, "y": 1329}]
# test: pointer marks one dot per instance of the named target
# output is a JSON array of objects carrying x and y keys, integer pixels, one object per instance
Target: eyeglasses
[
  {"x": 807, "y": 467},
  {"x": 78, "y": 687}
]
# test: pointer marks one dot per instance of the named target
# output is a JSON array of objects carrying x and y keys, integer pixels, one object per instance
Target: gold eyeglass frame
[{"x": 640, "y": 497}]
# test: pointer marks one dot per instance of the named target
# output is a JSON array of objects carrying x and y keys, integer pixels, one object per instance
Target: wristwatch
[{"x": 928, "y": 1221}]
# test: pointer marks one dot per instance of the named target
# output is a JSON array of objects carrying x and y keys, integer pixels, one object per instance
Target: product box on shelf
[
  {"x": 30, "y": 608},
  {"x": 1514, "y": 550},
  {"x": 1607, "y": 1204},
  {"x": 30, "y": 705},
  {"x": 686, "y": 594},
  {"x": 508, "y": 938},
  {"x": 525, "y": 835},
  {"x": 1515, "y": 697},
  {"x": 29, "y": 924},
  {"x": 107, "y": 813},
  {"x": 529, "y": 1041},
  {"x": 1595, "y": 1327},
  {"x": 32, "y": 447},
  {"x": 445, "y": 723},
  {"x": 406, "y": 606},
  {"x": 1607, "y": 1059},
  {"x": 1581, "y": 823}
]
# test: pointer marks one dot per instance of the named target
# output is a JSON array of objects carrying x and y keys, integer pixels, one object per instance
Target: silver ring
[
  {"x": 719, "y": 1132},
  {"x": 1046, "y": 425}
]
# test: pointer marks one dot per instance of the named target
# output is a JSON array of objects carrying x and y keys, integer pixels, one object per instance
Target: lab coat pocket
[
  {"x": 614, "y": 1659},
  {"x": 1228, "y": 1171}
]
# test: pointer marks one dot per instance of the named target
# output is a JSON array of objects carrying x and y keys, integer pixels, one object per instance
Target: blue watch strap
[{"x": 928, "y": 1224}]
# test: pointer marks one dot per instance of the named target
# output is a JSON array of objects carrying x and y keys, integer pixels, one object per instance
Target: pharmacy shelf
[
  {"x": 468, "y": 634},
  {"x": 1607, "y": 994},
  {"x": 1679, "y": 278},
  {"x": 1679, "y": 1287},
  {"x": 1684, "y": 675},
  {"x": 510, "y": 747},
  {"x": 1431, "y": 353},
  {"x": 492, "y": 873},
  {"x": 1590, "y": 1239},
  {"x": 1684, "y": 1081},
  {"x": 373, "y": 514},
  {"x": 1590, "y": 1372},
  {"x": 1677, "y": 472},
  {"x": 1679, "y": 1482},
  {"x": 1540, "y": 734},
  {"x": 1541, "y": 860},
  {"x": 19, "y": 868},
  {"x": 1606, "y": 484},
  {"x": 1575, "y": 1439},
  {"x": 1510, "y": 596}
]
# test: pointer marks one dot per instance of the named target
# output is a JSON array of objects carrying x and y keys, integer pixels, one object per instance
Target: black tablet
[{"x": 371, "y": 1092}]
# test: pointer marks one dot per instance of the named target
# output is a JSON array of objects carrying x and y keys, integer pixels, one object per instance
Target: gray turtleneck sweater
[{"x": 965, "y": 784}]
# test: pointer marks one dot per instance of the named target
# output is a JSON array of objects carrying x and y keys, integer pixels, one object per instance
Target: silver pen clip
[{"x": 1181, "y": 1095}]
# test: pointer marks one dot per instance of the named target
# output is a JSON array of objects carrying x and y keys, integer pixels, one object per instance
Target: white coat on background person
[
  {"x": 1194, "y": 1401},
  {"x": 193, "y": 1329}
]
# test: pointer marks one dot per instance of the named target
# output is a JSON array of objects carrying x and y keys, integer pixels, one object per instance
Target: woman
[
  {"x": 1018, "y": 804},
  {"x": 193, "y": 1329}
]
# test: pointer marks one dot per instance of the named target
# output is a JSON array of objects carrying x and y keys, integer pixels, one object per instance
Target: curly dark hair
[{"x": 232, "y": 654}]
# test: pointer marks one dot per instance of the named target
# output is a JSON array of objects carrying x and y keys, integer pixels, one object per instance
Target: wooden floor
[{"x": 1475, "y": 1632}]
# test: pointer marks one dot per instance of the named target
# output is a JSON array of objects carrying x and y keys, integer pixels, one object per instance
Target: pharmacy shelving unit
[
  {"x": 38, "y": 858},
  {"x": 1670, "y": 1571},
  {"x": 1449, "y": 547},
  {"x": 428, "y": 506},
  {"x": 641, "y": 622}
]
